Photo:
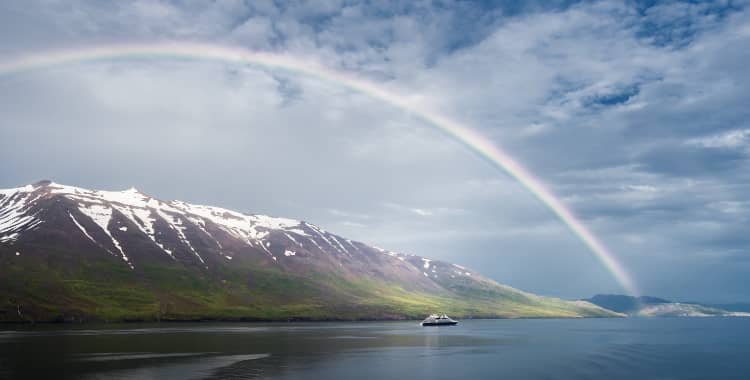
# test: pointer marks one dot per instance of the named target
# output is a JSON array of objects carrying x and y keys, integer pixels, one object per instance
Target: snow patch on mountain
[
  {"x": 80, "y": 227},
  {"x": 248, "y": 227},
  {"x": 101, "y": 215},
  {"x": 316, "y": 244},
  {"x": 142, "y": 219},
  {"x": 291, "y": 238},
  {"x": 176, "y": 224},
  {"x": 14, "y": 217},
  {"x": 342, "y": 249},
  {"x": 351, "y": 244}
]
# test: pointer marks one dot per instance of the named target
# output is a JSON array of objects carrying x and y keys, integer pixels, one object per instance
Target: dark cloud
[{"x": 692, "y": 161}]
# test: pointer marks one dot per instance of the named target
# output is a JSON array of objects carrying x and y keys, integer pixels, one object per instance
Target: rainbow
[{"x": 232, "y": 55}]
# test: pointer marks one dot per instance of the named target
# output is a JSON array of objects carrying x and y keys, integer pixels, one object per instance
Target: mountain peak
[
  {"x": 132, "y": 190},
  {"x": 42, "y": 183}
]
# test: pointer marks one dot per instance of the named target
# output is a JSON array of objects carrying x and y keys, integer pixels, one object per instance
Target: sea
[{"x": 616, "y": 348}]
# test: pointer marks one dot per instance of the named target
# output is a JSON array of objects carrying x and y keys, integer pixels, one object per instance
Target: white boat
[{"x": 439, "y": 320}]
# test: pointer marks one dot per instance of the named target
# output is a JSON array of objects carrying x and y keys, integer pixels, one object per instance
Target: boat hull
[{"x": 453, "y": 323}]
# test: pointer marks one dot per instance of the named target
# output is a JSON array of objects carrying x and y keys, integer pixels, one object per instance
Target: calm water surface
[{"x": 670, "y": 348}]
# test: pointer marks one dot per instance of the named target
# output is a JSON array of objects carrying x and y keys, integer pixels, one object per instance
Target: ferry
[{"x": 439, "y": 320}]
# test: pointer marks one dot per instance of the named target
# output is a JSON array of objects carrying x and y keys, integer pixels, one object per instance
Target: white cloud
[{"x": 731, "y": 139}]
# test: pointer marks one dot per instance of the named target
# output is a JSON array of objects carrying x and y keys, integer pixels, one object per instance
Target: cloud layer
[{"x": 635, "y": 115}]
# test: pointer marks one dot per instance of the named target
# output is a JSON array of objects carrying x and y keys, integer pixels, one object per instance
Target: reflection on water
[{"x": 484, "y": 349}]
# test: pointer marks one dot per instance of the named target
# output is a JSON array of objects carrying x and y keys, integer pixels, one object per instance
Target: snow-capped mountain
[{"x": 249, "y": 261}]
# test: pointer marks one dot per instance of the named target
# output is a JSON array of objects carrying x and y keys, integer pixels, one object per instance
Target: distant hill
[
  {"x": 739, "y": 307},
  {"x": 646, "y": 306},
  {"x": 73, "y": 254},
  {"x": 622, "y": 303}
]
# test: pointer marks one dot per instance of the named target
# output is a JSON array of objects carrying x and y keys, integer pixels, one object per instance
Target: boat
[{"x": 439, "y": 320}]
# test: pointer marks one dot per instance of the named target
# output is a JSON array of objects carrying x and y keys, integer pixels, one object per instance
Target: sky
[{"x": 635, "y": 114}]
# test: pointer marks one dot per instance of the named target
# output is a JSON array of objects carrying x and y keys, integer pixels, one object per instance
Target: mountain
[
  {"x": 739, "y": 307},
  {"x": 658, "y": 307},
  {"x": 72, "y": 254},
  {"x": 678, "y": 309},
  {"x": 622, "y": 303}
]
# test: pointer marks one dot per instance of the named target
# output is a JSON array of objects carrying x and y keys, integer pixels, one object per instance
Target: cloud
[
  {"x": 729, "y": 140},
  {"x": 634, "y": 114},
  {"x": 691, "y": 161}
]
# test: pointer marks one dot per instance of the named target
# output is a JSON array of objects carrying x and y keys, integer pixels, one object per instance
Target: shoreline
[{"x": 287, "y": 320}]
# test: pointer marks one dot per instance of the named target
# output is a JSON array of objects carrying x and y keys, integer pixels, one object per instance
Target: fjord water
[{"x": 664, "y": 348}]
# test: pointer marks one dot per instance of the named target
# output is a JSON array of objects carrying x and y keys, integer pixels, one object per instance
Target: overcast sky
[{"x": 637, "y": 115}]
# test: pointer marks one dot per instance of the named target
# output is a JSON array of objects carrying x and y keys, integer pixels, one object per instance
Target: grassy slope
[{"x": 75, "y": 289}]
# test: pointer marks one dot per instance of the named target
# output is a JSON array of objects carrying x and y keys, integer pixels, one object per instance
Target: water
[{"x": 670, "y": 348}]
